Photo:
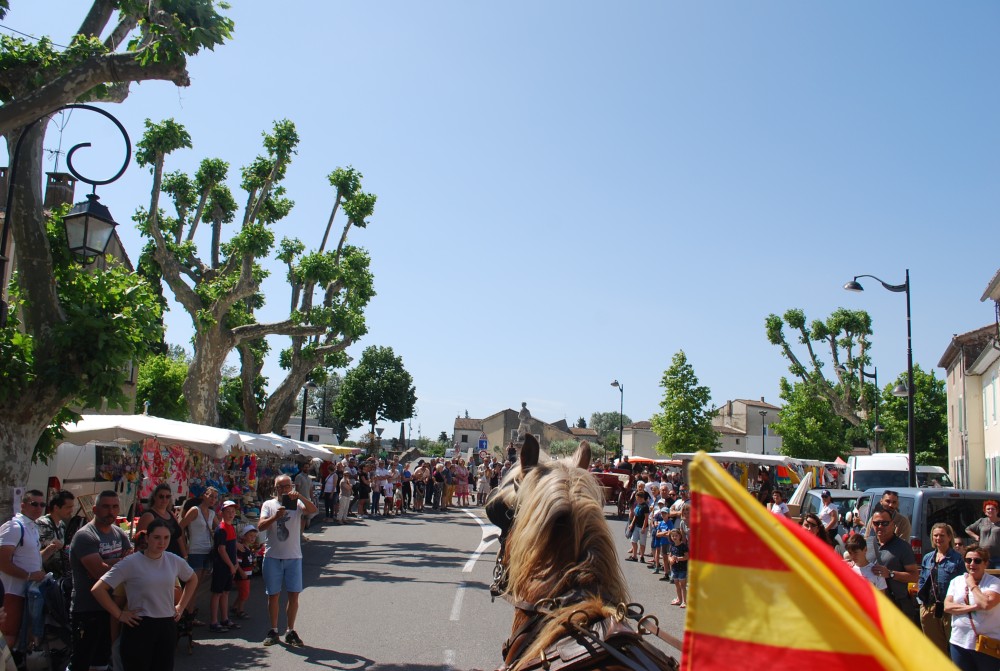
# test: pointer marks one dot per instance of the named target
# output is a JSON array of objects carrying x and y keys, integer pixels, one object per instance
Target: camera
[{"x": 287, "y": 502}]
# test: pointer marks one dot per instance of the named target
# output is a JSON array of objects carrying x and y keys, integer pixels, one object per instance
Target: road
[{"x": 404, "y": 593}]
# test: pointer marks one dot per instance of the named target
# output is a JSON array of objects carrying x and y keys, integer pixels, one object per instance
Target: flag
[{"x": 763, "y": 591}]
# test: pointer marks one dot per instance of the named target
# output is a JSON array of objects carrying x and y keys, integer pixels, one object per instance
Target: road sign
[{"x": 484, "y": 444}]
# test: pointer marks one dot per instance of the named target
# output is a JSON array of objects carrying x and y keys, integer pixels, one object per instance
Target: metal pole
[
  {"x": 621, "y": 422},
  {"x": 763, "y": 432},
  {"x": 305, "y": 400},
  {"x": 878, "y": 396},
  {"x": 911, "y": 445}
]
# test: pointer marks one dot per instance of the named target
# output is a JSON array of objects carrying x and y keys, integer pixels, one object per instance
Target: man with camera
[{"x": 281, "y": 519}]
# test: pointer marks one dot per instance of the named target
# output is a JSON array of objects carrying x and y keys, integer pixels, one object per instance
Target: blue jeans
[{"x": 970, "y": 660}]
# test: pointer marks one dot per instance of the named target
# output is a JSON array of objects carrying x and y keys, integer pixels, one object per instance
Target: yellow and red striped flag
[{"x": 763, "y": 591}]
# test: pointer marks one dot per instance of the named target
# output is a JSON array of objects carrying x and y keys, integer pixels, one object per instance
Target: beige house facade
[
  {"x": 500, "y": 428},
  {"x": 972, "y": 381}
]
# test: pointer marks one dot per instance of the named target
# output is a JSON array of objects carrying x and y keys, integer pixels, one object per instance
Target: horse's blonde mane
[{"x": 560, "y": 543}]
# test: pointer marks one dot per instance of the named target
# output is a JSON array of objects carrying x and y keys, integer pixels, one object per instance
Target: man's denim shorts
[{"x": 278, "y": 572}]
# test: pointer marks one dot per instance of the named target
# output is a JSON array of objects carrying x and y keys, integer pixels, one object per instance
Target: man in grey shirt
[{"x": 96, "y": 547}]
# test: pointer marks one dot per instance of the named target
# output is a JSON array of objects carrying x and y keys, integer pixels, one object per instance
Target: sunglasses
[
  {"x": 974, "y": 560},
  {"x": 35, "y": 504},
  {"x": 881, "y": 523}
]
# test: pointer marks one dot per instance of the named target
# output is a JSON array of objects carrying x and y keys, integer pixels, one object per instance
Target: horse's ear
[
  {"x": 582, "y": 455},
  {"x": 529, "y": 452}
]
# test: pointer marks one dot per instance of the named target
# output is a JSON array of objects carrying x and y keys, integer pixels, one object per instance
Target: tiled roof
[
  {"x": 639, "y": 425},
  {"x": 758, "y": 404},
  {"x": 576, "y": 431},
  {"x": 728, "y": 430},
  {"x": 463, "y": 424},
  {"x": 974, "y": 342}
]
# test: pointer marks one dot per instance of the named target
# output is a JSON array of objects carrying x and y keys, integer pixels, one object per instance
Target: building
[
  {"x": 742, "y": 426},
  {"x": 501, "y": 427},
  {"x": 972, "y": 365}
]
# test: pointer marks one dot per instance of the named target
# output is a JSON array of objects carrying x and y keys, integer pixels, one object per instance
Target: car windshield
[
  {"x": 934, "y": 480},
  {"x": 871, "y": 479}
]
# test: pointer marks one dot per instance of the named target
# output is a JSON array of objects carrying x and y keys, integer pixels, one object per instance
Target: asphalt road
[{"x": 404, "y": 593}]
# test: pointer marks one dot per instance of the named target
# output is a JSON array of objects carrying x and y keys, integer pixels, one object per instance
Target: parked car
[
  {"x": 844, "y": 499},
  {"x": 933, "y": 476},
  {"x": 926, "y": 507}
]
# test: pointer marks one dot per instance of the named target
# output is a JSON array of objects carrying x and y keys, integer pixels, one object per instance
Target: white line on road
[
  {"x": 449, "y": 659},
  {"x": 489, "y": 530},
  {"x": 456, "y": 606}
]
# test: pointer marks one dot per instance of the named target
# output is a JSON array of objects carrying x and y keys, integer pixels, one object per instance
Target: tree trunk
[
  {"x": 19, "y": 432},
  {"x": 204, "y": 378}
]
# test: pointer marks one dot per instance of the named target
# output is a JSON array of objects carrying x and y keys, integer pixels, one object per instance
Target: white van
[
  {"x": 933, "y": 476},
  {"x": 878, "y": 470}
]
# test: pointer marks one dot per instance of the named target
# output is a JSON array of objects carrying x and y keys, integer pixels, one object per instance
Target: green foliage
[
  {"x": 808, "y": 427},
  {"x": 377, "y": 388},
  {"x": 443, "y": 437},
  {"x": 358, "y": 208},
  {"x": 581, "y": 423},
  {"x": 40, "y": 62},
  {"x": 608, "y": 425},
  {"x": 161, "y": 383},
  {"x": 160, "y": 139},
  {"x": 182, "y": 28},
  {"x": 930, "y": 418},
  {"x": 112, "y": 319},
  {"x": 563, "y": 448},
  {"x": 685, "y": 425},
  {"x": 347, "y": 181}
]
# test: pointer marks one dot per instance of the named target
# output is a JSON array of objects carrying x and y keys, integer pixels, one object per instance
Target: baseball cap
[
  {"x": 247, "y": 528},
  {"x": 825, "y": 493},
  {"x": 227, "y": 504}
]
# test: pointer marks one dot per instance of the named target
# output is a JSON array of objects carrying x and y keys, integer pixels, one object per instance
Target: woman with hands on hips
[{"x": 150, "y": 635}]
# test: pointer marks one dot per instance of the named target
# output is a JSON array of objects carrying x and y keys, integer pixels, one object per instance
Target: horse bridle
[{"x": 502, "y": 516}]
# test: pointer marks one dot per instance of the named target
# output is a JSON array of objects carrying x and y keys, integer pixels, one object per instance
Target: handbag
[{"x": 984, "y": 644}]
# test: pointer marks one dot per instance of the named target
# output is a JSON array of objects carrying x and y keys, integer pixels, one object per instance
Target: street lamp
[
  {"x": 763, "y": 432},
  {"x": 621, "y": 419},
  {"x": 900, "y": 390},
  {"x": 305, "y": 402},
  {"x": 89, "y": 225}
]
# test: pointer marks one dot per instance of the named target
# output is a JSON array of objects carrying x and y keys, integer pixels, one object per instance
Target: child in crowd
[
  {"x": 397, "y": 500},
  {"x": 224, "y": 567},
  {"x": 346, "y": 493},
  {"x": 661, "y": 539},
  {"x": 857, "y": 552},
  {"x": 388, "y": 498},
  {"x": 638, "y": 527},
  {"x": 679, "y": 566},
  {"x": 246, "y": 548}
]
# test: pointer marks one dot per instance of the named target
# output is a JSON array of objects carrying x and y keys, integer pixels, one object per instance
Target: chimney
[
  {"x": 59, "y": 189},
  {"x": 762, "y": 399}
]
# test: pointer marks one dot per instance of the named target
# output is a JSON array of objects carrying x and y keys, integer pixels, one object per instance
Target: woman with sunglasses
[
  {"x": 937, "y": 570},
  {"x": 161, "y": 507},
  {"x": 972, "y": 603},
  {"x": 812, "y": 524}
]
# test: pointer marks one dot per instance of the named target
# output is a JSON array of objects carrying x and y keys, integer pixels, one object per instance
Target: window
[
  {"x": 312, "y": 438},
  {"x": 737, "y": 441},
  {"x": 465, "y": 438}
]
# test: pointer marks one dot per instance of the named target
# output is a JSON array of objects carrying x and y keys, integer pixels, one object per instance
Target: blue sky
[{"x": 570, "y": 192}]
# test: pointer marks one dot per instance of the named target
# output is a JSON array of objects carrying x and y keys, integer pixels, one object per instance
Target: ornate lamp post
[
  {"x": 89, "y": 225},
  {"x": 900, "y": 390},
  {"x": 621, "y": 419}
]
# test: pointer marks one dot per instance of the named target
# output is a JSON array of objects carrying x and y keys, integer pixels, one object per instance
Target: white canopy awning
[
  {"x": 209, "y": 440},
  {"x": 270, "y": 443}
]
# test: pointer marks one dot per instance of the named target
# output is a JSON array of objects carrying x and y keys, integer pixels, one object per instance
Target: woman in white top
[
  {"x": 150, "y": 635},
  {"x": 972, "y": 603},
  {"x": 200, "y": 523}
]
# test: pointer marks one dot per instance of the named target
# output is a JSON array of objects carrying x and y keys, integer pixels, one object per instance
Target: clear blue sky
[{"x": 570, "y": 192}]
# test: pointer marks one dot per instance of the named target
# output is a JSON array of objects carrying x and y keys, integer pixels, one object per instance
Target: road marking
[
  {"x": 456, "y": 606},
  {"x": 490, "y": 534},
  {"x": 449, "y": 659}
]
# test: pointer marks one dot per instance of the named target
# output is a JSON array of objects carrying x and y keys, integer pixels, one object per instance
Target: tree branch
[
  {"x": 97, "y": 18},
  {"x": 92, "y": 72},
  {"x": 286, "y": 327}
]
